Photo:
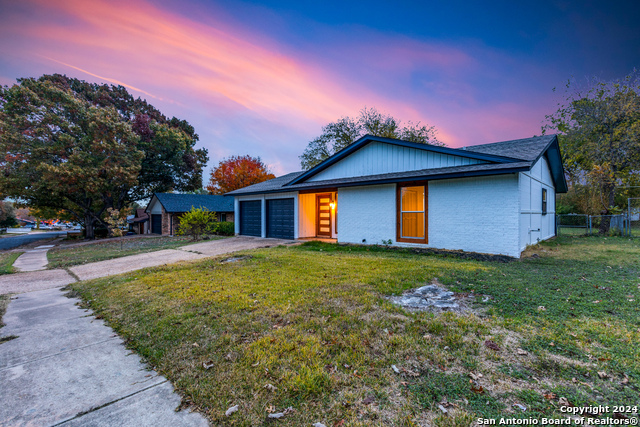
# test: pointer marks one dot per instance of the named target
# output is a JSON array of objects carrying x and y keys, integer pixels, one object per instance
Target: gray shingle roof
[
  {"x": 518, "y": 155},
  {"x": 528, "y": 149},
  {"x": 269, "y": 185},
  {"x": 174, "y": 202}
]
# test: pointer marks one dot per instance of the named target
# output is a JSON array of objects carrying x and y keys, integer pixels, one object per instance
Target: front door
[{"x": 323, "y": 219}]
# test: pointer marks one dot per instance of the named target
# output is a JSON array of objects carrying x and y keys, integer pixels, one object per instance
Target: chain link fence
[
  {"x": 587, "y": 225},
  {"x": 572, "y": 225}
]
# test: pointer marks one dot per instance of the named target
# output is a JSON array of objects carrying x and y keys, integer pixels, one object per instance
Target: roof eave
[
  {"x": 151, "y": 201},
  {"x": 451, "y": 175},
  {"x": 553, "y": 155}
]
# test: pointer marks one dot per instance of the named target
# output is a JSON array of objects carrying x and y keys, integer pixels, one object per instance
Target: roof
[
  {"x": 176, "y": 202},
  {"x": 529, "y": 149},
  {"x": 499, "y": 158},
  {"x": 140, "y": 216}
]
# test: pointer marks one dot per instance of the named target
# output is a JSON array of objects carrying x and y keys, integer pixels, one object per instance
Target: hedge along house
[
  {"x": 165, "y": 210},
  {"x": 492, "y": 198}
]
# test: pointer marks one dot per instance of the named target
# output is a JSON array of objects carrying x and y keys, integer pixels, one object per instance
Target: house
[
  {"x": 139, "y": 222},
  {"x": 165, "y": 209},
  {"x": 492, "y": 198}
]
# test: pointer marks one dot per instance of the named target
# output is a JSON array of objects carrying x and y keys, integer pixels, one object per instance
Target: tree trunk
[
  {"x": 605, "y": 223},
  {"x": 88, "y": 227}
]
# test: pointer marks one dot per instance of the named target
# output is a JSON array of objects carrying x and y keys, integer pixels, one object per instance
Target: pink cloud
[{"x": 247, "y": 93}]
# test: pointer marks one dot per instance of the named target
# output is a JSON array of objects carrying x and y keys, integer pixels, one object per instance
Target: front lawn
[
  {"x": 62, "y": 257},
  {"x": 6, "y": 262},
  {"x": 309, "y": 328}
]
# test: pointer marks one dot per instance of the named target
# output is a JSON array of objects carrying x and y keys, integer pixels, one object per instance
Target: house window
[
  {"x": 223, "y": 217},
  {"x": 544, "y": 201},
  {"x": 412, "y": 213}
]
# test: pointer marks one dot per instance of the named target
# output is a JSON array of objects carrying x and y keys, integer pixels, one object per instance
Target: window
[
  {"x": 412, "y": 213},
  {"x": 544, "y": 201},
  {"x": 223, "y": 217}
]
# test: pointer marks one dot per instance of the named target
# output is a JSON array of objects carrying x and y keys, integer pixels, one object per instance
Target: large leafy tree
[
  {"x": 83, "y": 148},
  {"x": 599, "y": 126},
  {"x": 345, "y": 131},
  {"x": 237, "y": 172},
  {"x": 170, "y": 162}
]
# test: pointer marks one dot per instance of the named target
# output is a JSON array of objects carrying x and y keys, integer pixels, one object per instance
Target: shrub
[
  {"x": 197, "y": 223},
  {"x": 225, "y": 228},
  {"x": 116, "y": 220}
]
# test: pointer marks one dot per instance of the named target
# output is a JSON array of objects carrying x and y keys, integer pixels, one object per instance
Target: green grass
[
  {"x": 6, "y": 262},
  {"x": 62, "y": 257},
  {"x": 313, "y": 321},
  {"x": 4, "y": 303}
]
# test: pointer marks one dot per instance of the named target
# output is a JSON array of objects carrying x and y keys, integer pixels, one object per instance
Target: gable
[
  {"x": 380, "y": 158},
  {"x": 154, "y": 206}
]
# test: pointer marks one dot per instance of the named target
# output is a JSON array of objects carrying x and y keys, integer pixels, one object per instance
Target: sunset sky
[{"x": 262, "y": 78}]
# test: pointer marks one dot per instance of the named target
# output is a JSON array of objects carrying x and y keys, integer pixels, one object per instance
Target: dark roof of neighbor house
[
  {"x": 500, "y": 158},
  {"x": 140, "y": 216},
  {"x": 176, "y": 203}
]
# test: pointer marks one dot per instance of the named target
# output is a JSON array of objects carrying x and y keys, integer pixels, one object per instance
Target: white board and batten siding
[
  {"x": 534, "y": 226},
  {"x": 379, "y": 158},
  {"x": 471, "y": 214},
  {"x": 263, "y": 198}
]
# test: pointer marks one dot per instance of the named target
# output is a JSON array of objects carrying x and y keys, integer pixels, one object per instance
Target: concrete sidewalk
[
  {"x": 68, "y": 368},
  {"x": 34, "y": 259}
]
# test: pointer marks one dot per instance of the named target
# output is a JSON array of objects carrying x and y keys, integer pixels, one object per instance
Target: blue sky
[{"x": 262, "y": 78}]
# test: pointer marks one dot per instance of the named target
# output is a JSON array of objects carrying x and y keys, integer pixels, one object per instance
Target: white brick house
[{"x": 491, "y": 198}]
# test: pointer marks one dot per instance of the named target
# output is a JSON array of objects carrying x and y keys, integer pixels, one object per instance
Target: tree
[
  {"x": 599, "y": 125},
  {"x": 170, "y": 161},
  {"x": 345, "y": 131},
  {"x": 7, "y": 215},
  {"x": 84, "y": 148},
  {"x": 116, "y": 220},
  {"x": 237, "y": 172},
  {"x": 197, "y": 223}
]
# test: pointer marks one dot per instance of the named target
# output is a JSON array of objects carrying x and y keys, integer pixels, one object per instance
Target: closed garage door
[
  {"x": 280, "y": 222},
  {"x": 251, "y": 218},
  {"x": 156, "y": 224}
]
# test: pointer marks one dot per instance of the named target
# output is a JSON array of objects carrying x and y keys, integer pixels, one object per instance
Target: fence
[
  {"x": 633, "y": 213},
  {"x": 587, "y": 225}
]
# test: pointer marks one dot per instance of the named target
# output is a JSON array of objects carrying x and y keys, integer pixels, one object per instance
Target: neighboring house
[
  {"x": 492, "y": 198},
  {"x": 139, "y": 223},
  {"x": 165, "y": 209}
]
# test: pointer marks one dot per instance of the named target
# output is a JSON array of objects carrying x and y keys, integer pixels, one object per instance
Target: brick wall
[
  {"x": 367, "y": 213},
  {"x": 472, "y": 214},
  {"x": 165, "y": 222},
  {"x": 475, "y": 214}
]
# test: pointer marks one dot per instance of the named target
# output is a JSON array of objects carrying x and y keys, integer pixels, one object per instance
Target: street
[{"x": 15, "y": 241}]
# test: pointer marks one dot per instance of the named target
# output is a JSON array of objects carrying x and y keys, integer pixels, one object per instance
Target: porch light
[{"x": 333, "y": 205}]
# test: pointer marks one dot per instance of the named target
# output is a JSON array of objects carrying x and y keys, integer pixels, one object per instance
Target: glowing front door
[{"x": 323, "y": 219}]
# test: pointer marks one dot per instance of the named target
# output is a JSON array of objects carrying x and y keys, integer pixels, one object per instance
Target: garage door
[
  {"x": 280, "y": 222},
  {"x": 156, "y": 224},
  {"x": 251, "y": 218}
]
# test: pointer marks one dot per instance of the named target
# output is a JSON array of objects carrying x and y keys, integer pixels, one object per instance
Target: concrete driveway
[{"x": 46, "y": 279}]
